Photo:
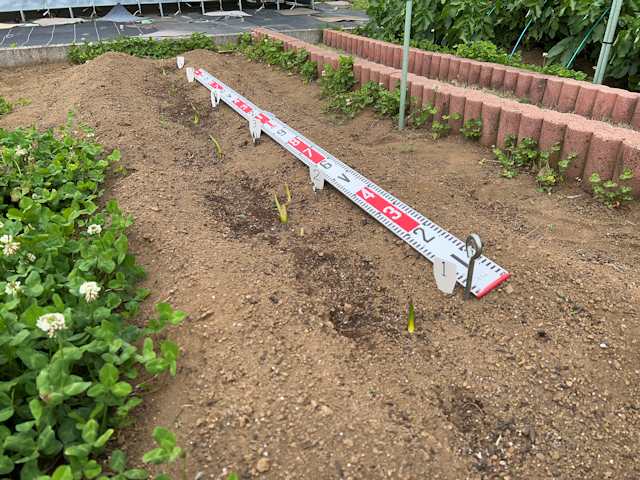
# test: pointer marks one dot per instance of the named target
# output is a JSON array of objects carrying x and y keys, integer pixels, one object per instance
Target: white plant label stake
[
  {"x": 317, "y": 177},
  {"x": 256, "y": 129},
  {"x": 180, "y": 62},
  {"x": 427, "y": 238},
  {"x": 445, "y": 273},
  {"x": 215, "y": 98},
  {"x": 190, "y": 74}
]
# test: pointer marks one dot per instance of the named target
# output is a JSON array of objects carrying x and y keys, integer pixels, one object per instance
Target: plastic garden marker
[
  {"x": 473, "y": 256},
  {"x": 427, "y": 238},
  {"x": 215, "y": 98},
  {"x": 445, "y": 273},
  {"x": 256, "y": 129},
  {"x": 180, "y": 62},
  {"x": 190, "y": 74},
  {"x": 317, "y": 177}
]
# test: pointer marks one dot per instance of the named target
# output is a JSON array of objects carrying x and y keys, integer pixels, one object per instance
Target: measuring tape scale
[{"x": 419, "y": 232}]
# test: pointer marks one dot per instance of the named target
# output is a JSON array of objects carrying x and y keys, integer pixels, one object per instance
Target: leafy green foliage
[
  {"x": 371, "y": 94},
  {"x": 67, "y": 296},
  {"x": 5, "y": 106},
  {"x": 611, "y": 192},
  {"x": 527, "y": 157},
  {"x": 420, "y": 116},
  {"x": 558, "y": 27},
  {"x": 273, "y": 54},
  {"x": 440, "y": 129},
  {"x": 141, "y": 47},
  {"x": 473, "y": 128},
  {"x": 339, "y": 81}
]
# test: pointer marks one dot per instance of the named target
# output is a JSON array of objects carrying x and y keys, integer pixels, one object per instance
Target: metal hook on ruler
[{"x": 473, "y": 256}]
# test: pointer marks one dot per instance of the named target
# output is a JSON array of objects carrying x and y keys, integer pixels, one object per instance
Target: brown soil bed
[{"x": 295, "y": 348}]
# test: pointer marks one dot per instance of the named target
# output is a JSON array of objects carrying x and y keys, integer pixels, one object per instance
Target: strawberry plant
[
  {"x": 473, "y": 128},
  {"x": 610, "y": 192}
]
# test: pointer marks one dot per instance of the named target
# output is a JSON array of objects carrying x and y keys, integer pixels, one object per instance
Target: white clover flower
[
  {"x": 433, "y": 30},
  {"x": 348, "y": 102},
  {"x": 545, "y": 54},
  {"x": 436, "y": 87},
  {"x": 35, "y": 195},
  {"x": 29, "y": 257},
  {"x": 51, "y": 322},
  {"x": 323, "y": 74},
  {"x": 94, "y": 229},
  {"x": 20, "y": 151},
  {"x": 13, "y": 288},
  {"x": 90, "y": 291},
  {"x": 91, "y": 135},
  {"x": 10, "y": 247}
]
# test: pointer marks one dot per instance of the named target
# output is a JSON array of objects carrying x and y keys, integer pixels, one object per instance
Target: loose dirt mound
[{"x": 295, "y": 351}]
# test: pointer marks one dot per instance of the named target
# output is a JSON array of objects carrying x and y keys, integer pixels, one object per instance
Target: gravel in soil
[{"x": 295, "y": 359}]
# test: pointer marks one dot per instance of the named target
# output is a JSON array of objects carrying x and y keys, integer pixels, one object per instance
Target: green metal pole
[
  {"x": 609, "y": 36},
  {"x": 405, "y": 63}
]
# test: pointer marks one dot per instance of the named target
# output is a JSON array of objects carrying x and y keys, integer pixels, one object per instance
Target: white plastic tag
[
  {"x": 445, "y": 273},
  {"x": 190, "y": 74},
  {"x": 215, "y": 97},
  {"x": 256, "y": 129},
  {"x": 180, "y": 62},
  {"x": 317, "y": 176}
]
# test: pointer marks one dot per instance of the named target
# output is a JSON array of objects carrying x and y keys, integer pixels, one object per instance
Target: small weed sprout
[
  {"x": 220, "y": 154},
  {"x": 473, "y": 128},
  {"x": 282, "y": 211},
  {"x": 173, "y": 90},
  {"x": 164, "y": 72},
  {"x": 420, "y": 116},
  {"x": 441, "y": 128},
  {"x": 288, "y": 194},
  {"x": 610, "y": 192},
  {"x": 195, "y": 112},
  {"x": 411, "y": 326},
  {"x": 163, "y": 120}
]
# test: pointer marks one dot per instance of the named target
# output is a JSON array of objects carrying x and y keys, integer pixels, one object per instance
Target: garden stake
[
  {"x": 405, "y": 64},
  {"x": 473, "y": 256}
]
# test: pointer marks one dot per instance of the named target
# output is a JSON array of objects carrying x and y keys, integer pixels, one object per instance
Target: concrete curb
[
  {"x": 601, "y": 148},
  {"x": 24, "y": 56}
]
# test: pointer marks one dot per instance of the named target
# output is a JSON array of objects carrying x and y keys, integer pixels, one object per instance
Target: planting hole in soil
[{"x": 294, "y": 353}]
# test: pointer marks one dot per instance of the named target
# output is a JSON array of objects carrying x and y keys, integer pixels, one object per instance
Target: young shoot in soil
[
  {"x": 220, "y": 154},
  {"x": 288, "y": 194},
  {"x": 196, "y": 114},
  {"x": 282, "y": 211},
  {"x": 411, "y": 326}
]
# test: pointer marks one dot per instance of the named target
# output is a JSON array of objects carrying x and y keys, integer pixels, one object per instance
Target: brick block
[
  {"x": 366, "y": 45},
  {"x": 335, "y": 62},
  {"x": 454, "y": 69},
  {"x": 457, "y": 101},
  {"x": 568, "y": 95},
  {"x": 397, "y": 57},
  {"x": 474, "y": 73},
  {"x": 486, "y": 70},
  {"x": 491, "y": 112},
  {"x": 395, "y": 78},
  {"x": 510, "y": 79},
  {"x": 445, "y": 62},
  {"x": 357, "y": 72},
  {"x": 417, "y": 88},
  {"x": 530, "y": 123},
  {"x": 375, "y": 72},
  {"x": 552, "y": 93},
  {"x": 385, "y": 76},
  {"x": 442, "y": 104},
  {"x": 386, "y": 54},
  {"x": 523, "y": 85},
  {"x": 577, "y": 139},
  {"x": 344, "y": 41},
  {"x": 629, "y": 158},
  {"x": 604, "y": 103},
  {"x": 360, "y": 46},
  {"x": 427, "y": 57},
  {"x": 412, "y": 60},
  {"x": 624, "y": 107},
  {"x": 538, "y": 86},
  {"x": 553, "y": 130},
  {"x": 377, "y": 52},
  {"x": 635, "y": 118},
  {"x": 365, "y": 73},
  {"x": 428, "y": 94},
  {"x": 586, "y": 99},
  {"x": 463, "y": 71},
  {"x": 497, "y": 77},
  {"x": 472, "y": 107},
  {"x": 435, "y": 65},
  {"x": 326, "y": 33},
  {"x": 417, "y": 65},
  {"x": 603, "y": 153},
  {"x": 351, "y": 44},
  {"x": 509, "y": 123}
]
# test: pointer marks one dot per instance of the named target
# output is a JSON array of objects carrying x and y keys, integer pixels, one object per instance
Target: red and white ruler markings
[{"x": 419, "y": 232}]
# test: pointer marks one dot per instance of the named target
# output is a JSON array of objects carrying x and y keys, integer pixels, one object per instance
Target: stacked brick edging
[
  {"x": 597, "y": 102},
  {"x": 601, "y": 148}
]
